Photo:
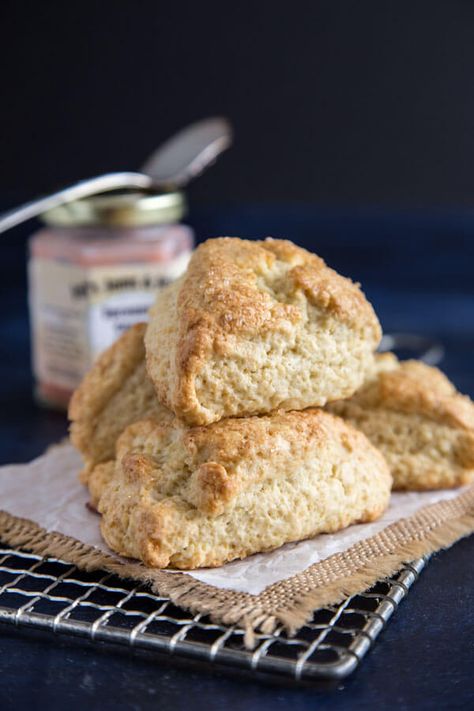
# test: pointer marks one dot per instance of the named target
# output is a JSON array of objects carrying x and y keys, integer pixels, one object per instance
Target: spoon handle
[{"x": 82, "y": 189}]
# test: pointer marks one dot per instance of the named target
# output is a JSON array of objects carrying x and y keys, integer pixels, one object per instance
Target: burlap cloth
[{"x": 290, "y": 602}]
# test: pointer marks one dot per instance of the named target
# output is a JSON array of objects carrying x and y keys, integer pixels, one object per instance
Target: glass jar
[{"x": 94, "y": 271}]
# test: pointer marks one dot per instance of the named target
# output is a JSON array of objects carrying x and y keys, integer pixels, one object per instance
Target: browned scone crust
[
  {"x": 196, "y": 497},
  {"x": 255, "y": 326},
  {"x": 422, "y": 425},
  {"x": 114, "y": 393}
]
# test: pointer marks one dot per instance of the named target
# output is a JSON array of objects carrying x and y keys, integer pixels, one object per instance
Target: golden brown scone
[
  {"x": 114, "y": 393},
  {"x": 418, "y": 420},
  {"x": 255, "y": 326},
  {"x": 196, "y": 497}
]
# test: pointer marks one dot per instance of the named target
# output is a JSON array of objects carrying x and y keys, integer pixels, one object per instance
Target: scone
[
  {"x": 254, "y": 326},
  {"x": 115, "y": 393},
  {"x": 420, "y": 423},
  {"x": 191, "y": 497}
]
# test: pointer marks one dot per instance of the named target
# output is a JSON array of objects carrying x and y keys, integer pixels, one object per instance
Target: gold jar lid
[{"x": 130, "y": 209}]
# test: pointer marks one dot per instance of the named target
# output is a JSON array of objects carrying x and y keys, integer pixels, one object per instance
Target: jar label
[{"x": 77, "y": 312}]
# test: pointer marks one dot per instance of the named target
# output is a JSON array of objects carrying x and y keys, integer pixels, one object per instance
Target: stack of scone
[{"x": 202, "y": 433}]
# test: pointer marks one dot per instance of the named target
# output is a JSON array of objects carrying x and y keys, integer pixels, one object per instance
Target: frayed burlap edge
[{"x": 289, "y": 602}]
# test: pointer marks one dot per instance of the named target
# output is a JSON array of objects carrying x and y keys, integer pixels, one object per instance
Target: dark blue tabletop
[{"x": 417, "y": 269}]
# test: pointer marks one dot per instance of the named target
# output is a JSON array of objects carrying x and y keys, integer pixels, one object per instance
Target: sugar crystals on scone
[{"x": 255, "y": 326}]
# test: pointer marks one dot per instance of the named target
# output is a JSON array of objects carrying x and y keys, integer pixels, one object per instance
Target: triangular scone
[
  {"x": 255, "y": 326},
  {"x": 202, "y": 496},
  {"x": 114, "y": 393},
  {"x": 418, "y": 420}
]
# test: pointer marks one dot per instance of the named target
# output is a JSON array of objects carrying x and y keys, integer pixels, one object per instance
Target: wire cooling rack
[{"x": 51, "y": 594}]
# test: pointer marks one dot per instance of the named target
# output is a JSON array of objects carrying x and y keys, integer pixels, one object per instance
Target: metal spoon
[{"x": 180, "y": 159}]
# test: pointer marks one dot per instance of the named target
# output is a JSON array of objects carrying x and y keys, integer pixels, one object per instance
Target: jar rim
[{"x": 124, "y": 209}]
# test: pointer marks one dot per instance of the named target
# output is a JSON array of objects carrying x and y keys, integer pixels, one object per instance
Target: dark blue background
[
  {"x": 332, "y": 100},
  {"x": 416, "y": 267}
]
